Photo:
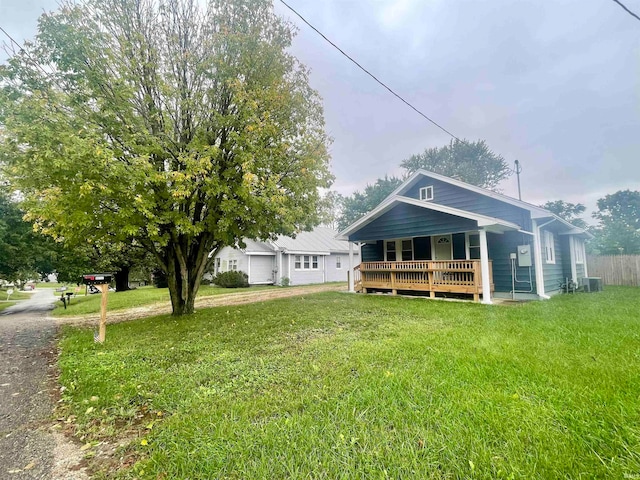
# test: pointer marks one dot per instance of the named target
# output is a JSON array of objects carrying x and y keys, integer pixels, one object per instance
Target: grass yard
[
  {"x": 4, "y": 304},
  {"x": 84, "y": 305},
  {"x": 352, "y": 386},
  {"x": 16, "y": 295}
]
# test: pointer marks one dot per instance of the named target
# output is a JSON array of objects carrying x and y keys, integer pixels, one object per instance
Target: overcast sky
[{"x": 554, "y": 84}]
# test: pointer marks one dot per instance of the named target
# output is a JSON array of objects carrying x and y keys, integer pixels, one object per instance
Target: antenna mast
[{"x": 518, "y": 169}]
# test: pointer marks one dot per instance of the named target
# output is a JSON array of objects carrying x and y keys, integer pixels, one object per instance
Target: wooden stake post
[
  {"x": 100, "y": 280},
  {"x": 102, "y": 333}
]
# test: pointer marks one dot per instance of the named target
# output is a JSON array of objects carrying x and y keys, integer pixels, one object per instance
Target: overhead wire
[
  {"x": 627, "y": 10},
  {"x": 393, "y": 92}
]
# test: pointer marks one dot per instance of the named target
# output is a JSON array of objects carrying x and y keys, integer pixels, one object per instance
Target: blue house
[{"x": 443, "y": 237}]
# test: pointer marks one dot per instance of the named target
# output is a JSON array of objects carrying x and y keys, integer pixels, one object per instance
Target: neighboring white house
[{"x": 311, "y": 257}]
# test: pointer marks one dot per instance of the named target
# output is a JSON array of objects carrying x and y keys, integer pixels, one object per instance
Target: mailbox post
[{"x": 102, "y": 281}]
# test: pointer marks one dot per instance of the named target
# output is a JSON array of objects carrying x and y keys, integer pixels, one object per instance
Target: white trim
[
  {"x": 351, "y": 283},
  {"x": 467, "y": 244},
  {"x": 538, "y": 260},
  {"x": 433, "y": 245},
  {"x": 483, "y": 220},
  {"x": 272, "y": 254},
  {"x": 397, "y": 242},
  {"x": 584, "y": 254},
  {"x": 579, "y": 247},
  {"x": 484, "y": 267},
  {"x": 535, "y": 211},
  {"x": 249, "y": 269},
  {"x": 303, "y": 261},
  {"x": 549, "y": 243},
  {"x": 428, "y": 193},
  {"x": 542, "y": 213},
  {"x": 306, "y": 252},
  {"x": 572, "y": 260}
]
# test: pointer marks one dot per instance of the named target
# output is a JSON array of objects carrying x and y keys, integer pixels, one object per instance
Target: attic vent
[{"x": 426, "y": 193}]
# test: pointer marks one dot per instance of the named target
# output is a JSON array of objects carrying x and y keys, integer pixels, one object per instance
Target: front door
[{"x": 442, "y": 248}]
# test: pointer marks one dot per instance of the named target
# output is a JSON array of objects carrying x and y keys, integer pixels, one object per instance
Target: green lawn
[
  {"x": 351, "y": 386},
  {"x": 16, "y": 295},
  {"x": 4, "y": 304},
  {"x": 84, "y": 305}
]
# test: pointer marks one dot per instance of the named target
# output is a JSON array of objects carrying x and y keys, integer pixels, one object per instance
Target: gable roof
[{"x": 397, "y": 196}]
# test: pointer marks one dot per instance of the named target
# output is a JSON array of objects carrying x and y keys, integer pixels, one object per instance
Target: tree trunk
[
  {"x": 122, "y": 279},
  {"x": 184, "y": 281}
]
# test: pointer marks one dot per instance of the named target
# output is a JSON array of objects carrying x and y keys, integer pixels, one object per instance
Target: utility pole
[{"x": 518, "y": 169}]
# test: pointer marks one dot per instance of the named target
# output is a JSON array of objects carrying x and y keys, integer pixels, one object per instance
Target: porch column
[
  {"x": 351, "y": 283},
  {"x": 572, "y": 259},
  {"x": 537, "y": 248},
  {"x": 484, "y": 267}
]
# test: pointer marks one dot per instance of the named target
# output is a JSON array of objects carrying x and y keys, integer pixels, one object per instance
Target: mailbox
[{"x": 97, "y": 278}]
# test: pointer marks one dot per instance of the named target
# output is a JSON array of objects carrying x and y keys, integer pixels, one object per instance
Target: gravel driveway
[{"x": 30, "y": 447}]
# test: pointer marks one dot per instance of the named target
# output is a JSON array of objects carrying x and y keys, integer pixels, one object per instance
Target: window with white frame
[
  {"x": 233, "y": 264},
  {"x": 216, "y": 271},
  {"x": 407, "y": 250},
  {"x": 426, "y": 193},
  {"x": 338, "y": 262},
  {"x": 474, "y": 246},
  {"x": 549, "y": 247},
  {"x": 306, "y": 262},
  {"x": 390, "y": 250},
  {"x": 578, "y": 248}
]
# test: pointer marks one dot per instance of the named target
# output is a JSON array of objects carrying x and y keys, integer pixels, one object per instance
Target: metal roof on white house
[
  {"x": 320, "y": 240},
  {"x": 257, "y": 247}
]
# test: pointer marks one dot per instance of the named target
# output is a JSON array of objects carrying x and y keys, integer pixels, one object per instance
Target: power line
[
  {"x": 627, "y": 10},
  {"x": 368, "y": 72}
]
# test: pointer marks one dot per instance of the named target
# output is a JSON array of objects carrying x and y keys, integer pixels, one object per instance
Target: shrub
[
  {"x": 205, "y": 281},
  {"x": 285, "y": 282},
  {"x": 232, "y": 279}
]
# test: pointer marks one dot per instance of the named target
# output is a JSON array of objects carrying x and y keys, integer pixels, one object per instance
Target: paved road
[{"x": 29, "y": 449}]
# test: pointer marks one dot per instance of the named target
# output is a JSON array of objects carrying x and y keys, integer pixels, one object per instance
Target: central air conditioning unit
[{"x": 592, "y": 284}]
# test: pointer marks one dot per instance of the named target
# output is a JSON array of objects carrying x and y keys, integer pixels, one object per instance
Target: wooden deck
[{"x": 442, "y": 276}]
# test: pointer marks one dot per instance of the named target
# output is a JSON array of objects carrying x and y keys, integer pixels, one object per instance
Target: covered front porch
[
  {"x": 421, "y": 248},
  {"x": 462, "y": 277}
]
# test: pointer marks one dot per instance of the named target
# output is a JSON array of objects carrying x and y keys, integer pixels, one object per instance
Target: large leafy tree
[
  {"x": 571, "y": 212},
  {"x": 358, "y": 204},
  {"x": 24, "y": 254},
  {"x": 185, "y": 128},
  {"x": 471, "y": 162},
  {"x": 618, "y": 229}
]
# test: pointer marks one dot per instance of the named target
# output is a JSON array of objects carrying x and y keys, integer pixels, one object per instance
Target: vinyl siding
[
  {"x": 459, "y": 247},
  {"x": 458, "y": 197},
  {"x": 304, "y": 277},
  {"x": 228, "y": 253},
  {"x": 405, "y": 221},
  {"x": 334, "y": 274},
  {"x": 422, "y": 248},
  {"x": 500, "y": 246},
  {"x": 373, "y": 252},
  {"x": 554, "y": 272}
]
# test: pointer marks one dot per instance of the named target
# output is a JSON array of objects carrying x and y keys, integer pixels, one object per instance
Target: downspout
[{"x": 572, "y": 259}]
